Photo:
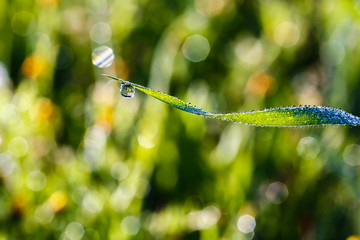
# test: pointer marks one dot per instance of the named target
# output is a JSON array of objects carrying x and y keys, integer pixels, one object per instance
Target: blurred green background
[{"x": 78, "y": 161}]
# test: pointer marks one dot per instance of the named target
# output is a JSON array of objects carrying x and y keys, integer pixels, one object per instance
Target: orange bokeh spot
[
  {"x": 33, "y": 66},
  {"x": 260, "y": 84},
  {"x": 57, "y": 201}
]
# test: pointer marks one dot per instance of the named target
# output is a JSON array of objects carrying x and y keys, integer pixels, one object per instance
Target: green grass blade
[{"x": 276, "y": 117}]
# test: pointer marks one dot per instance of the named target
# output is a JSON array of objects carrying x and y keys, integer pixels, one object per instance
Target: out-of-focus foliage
[{"x": 78, "y": 161}]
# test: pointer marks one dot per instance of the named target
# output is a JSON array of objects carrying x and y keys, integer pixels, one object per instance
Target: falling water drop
[
  {"x": 127, "y": 91},
  {"x": 102, "y": 56}
]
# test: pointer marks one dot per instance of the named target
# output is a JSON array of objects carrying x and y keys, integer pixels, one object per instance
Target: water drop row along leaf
[{"x": 295, "y": 116}]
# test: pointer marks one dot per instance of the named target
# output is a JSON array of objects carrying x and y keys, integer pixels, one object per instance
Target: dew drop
[
  {"x": 127, "y": 91},
  {"x": 102, "y": 56}
]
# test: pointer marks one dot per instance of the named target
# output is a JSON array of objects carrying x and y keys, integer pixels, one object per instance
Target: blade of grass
[{"x": 299, "y": 116}]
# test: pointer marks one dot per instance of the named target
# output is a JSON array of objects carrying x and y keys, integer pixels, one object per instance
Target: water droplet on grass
[
  {"x": 102, "y": 56},
  {"x": 127, "y": 91}
]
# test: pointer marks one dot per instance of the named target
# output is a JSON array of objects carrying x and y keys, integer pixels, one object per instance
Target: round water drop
[
  {"x": 102, "y": 56},
  {"x": 127, "y": 91}
]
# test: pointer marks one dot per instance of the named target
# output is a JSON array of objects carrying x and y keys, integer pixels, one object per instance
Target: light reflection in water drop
[
  {"x": 127, "y": 91},
  {"x": 102, "y": 56}
]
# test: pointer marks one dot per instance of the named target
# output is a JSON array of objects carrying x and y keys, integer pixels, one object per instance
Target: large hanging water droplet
[
  {"x": 127, "y": 91},
  {"x": 102, "y": 56}
]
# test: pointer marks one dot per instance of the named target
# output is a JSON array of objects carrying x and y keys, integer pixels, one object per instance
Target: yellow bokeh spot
[
  {"x": 33, "y": 66},
  {"x": 210, "y": 7},
  {"x": 48, "y": 3},
  {"x": 105, "y": 118},
  {"x": 352, "y": 237},
  {"x": 43, "y": 109},
  {"x": 287, "y": 34},
  {"x": 57, "y": 201}
]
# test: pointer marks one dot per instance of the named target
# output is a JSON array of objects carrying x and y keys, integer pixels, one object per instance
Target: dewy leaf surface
[{"x": 299, "y": 116}]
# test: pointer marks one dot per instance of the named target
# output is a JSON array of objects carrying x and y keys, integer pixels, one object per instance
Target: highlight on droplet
[{"x": 102, "y": 56}]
